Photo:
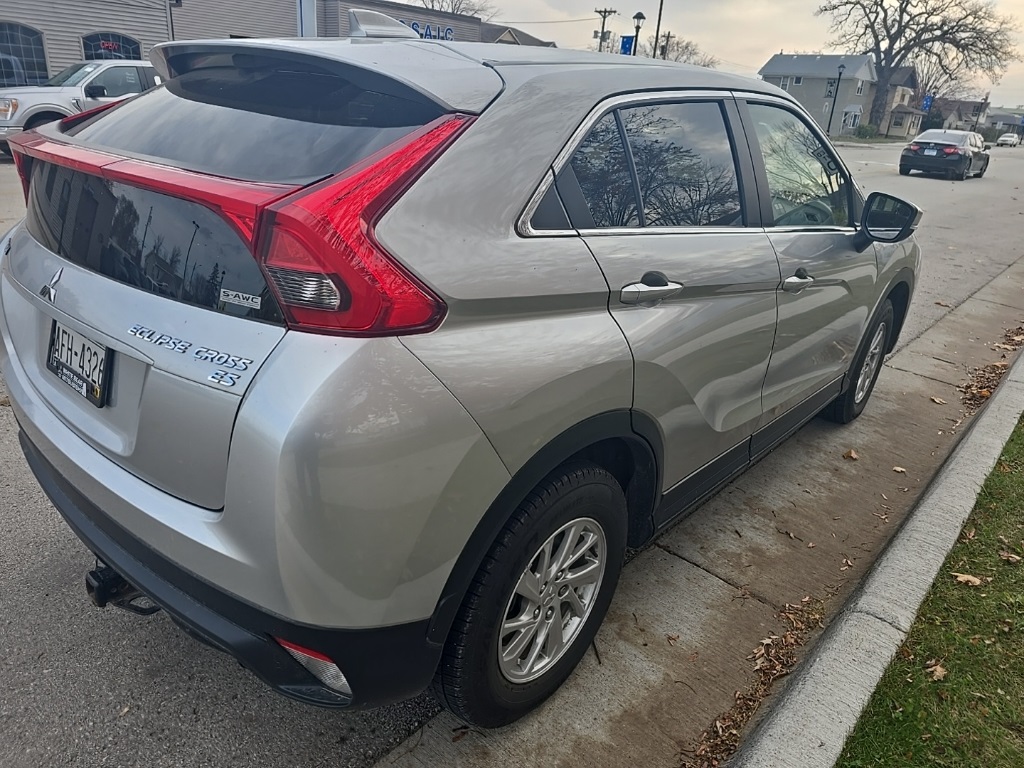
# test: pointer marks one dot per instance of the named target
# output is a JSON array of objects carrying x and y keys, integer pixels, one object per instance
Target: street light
[
  {"x": 638, "y": 21},
  {"x": 835, "y": 96}
]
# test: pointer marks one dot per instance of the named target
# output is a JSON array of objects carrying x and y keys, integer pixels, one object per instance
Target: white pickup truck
[{"x": 81, "y": 86}]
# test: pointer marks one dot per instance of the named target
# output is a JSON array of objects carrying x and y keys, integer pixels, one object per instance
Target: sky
[{"x": 743, "y": 34}]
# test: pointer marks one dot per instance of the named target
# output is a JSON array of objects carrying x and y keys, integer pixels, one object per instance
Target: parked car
[
  {"x": 394, "y": 423},
  {"x": 81, "y": 86},
  {"x": 1008, "y": 140},
  {"x": 953, "y": 154}
]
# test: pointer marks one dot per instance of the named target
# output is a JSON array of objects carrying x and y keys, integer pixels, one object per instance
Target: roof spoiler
[{"x": 362, "y": 23}]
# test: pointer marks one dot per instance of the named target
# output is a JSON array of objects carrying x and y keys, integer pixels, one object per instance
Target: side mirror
[
  {"x": 886, "y": 219},
  {"x": 988, "y": 146},
  {"x": 95, "y": 91}
]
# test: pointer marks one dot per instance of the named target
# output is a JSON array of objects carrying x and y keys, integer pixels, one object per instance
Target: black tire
[
  {"x": 470, "y": 681},
  {"x": 43, "y": 119},
  {"x": 981, "y": 173},
  {"x": 847, "y": 407},
  {"x": 965, "y": 172},
  {"x": 904, "y": 171}
]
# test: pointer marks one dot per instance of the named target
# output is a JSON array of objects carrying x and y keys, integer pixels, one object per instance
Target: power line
[{"x": 554, "y": 21}]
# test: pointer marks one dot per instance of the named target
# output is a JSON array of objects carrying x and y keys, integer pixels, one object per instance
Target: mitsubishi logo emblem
[{"x": 49, "y": 291}]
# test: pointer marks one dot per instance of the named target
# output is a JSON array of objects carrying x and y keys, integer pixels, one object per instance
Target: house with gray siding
[
  {"x": 39, "y": 38},
  {"x": 816, "y": 82}
]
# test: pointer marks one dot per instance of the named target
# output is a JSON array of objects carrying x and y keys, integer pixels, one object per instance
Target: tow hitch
[{"x": 108, "y": 587}]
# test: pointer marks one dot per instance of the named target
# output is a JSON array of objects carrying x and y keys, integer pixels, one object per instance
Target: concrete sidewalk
[
  {"x": 809, "y": 724},
  {"x": 689, "y": 611}
]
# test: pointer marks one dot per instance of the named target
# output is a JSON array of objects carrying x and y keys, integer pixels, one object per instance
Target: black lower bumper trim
[{"x": 382, "y": 665}]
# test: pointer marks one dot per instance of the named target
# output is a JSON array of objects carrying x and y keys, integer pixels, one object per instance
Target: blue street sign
[
  {"x": 626, "y": 44},
  {"x": 926, "y": 103},
  {"x": 1022, "y": 119}
]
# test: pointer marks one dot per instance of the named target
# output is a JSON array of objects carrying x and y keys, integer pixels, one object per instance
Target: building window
[
  {"x": 830, "y": 88},
  {"x": 905, "y": 98},
  {"x": 897, "y": 121},
  {"x": 860, "y": 87},
  {"x": 784, "y": 83},
  {"x": 111, "y": 45},
  {"x": 798, "y": 80},
  {"x": 22, "y": 55},
  {"x": 824, "y": 108}
]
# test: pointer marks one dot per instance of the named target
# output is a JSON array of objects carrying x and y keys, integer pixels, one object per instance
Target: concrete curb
[{"x": 810, "y": 721}]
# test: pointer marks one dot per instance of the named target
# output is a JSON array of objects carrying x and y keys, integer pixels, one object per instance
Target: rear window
[
  {"x": 942, "y": 137},
  {"x": 258, "y": 119},
  {"x": 159, "y": 244}
]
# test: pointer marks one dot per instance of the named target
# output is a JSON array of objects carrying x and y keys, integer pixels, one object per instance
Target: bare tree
[
  {"x": 680, "y": 50},
  {"x": 483, "y": 8},
  {"x": 960, "y": 36},
  {"x": 933, "y": 80}
]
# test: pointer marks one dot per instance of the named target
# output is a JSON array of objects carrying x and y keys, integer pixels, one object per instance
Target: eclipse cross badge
[{"x": 49, "y": 291}]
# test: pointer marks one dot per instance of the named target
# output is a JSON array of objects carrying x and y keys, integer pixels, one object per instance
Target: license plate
[
  {"x": 931, "y": 151},
  {"x": 81, "y": 363}
]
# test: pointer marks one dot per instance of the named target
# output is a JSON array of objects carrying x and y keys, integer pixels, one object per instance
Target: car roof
[{"x": 468, "y": 76}]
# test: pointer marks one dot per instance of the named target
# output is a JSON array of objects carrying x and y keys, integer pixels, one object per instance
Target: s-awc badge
[{"x": 239, "y": 298}]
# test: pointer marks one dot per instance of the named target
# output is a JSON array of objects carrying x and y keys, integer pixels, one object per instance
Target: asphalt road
[{"x": 86, "y": 687}]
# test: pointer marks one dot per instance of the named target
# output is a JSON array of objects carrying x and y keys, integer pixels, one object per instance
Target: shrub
[{"x": 865, "y": 131}]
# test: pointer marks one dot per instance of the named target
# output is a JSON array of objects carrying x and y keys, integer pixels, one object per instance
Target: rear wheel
[
  {"x": 43, "y": 119},
  {"x": 538, "y": 599},
  {"x": 904, "y": 171},
  {"x": 981, "y": 173},
  {"x": 965, "y": 172},
  {"x": 865, "y": 369}
]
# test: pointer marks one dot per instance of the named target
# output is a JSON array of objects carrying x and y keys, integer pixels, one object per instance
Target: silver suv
[
  {"x": 78, "y": 88},
  {"x": 372, "y": 384}
]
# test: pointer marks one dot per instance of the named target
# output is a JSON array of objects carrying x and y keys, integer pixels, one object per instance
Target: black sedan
[{"x": 954, "y": 154}]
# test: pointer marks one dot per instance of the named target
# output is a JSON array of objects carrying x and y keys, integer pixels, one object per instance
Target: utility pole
[
  {"x": 657, "y": 31},
  {"x": 664, "y": 50},
  {"x": 604, "y": 13}
]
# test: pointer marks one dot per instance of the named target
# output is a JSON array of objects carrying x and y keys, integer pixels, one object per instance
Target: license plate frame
[
  {"x": 931, "y": 152},
  {"x": 66, "y": 358}
]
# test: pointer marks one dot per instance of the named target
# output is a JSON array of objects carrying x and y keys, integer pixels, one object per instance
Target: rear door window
[{"x": 684, "y": 163}]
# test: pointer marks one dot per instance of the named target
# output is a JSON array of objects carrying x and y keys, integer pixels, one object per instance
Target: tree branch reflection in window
[
  {"x": 601, "y": 169},
  {"x": 685, "y": 165},
  {"x": 806, "y": 185}
]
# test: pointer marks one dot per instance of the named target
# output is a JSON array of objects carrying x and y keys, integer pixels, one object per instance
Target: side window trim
[{"x": 767, "y": 214}]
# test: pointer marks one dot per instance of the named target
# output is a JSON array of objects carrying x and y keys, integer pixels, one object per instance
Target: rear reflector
[
  {"x": 319, "y": 251},
  {"x": 321, "y": 667}
]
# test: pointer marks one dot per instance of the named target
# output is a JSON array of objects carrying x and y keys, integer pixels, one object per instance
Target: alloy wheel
[{"x": 871, "y": 363}]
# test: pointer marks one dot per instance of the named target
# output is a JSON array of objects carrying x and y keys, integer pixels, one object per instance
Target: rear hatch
[{"x": 172, "y": 240}]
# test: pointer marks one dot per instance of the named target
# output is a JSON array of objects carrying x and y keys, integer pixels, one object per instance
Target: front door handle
[
  {"x": 797, "y": 282},
  {"x": 652, "y": 288}
]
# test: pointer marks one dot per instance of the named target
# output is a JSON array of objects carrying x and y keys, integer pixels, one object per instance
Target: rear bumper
[
  {"x": 383, "y": 665},
  {"x": 940, "y": 164}
]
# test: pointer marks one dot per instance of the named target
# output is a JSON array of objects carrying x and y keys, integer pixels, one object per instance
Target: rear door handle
[
  {"x": 642, "y": 293},
  {"x": 797, "y": 282}
]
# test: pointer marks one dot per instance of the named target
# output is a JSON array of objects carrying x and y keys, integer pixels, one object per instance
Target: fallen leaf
[
  {"x": 812, "y": 545},
  {"x": 5, "y": 402},
  {"x": 1010, "y": 557},
  {"x": 847, "y": 564},
  {"x": 672, "y": 639},
  {"x": 969, "y": 535},
  {"x": 966, "y": 578},
  {"x": 942, "y": 304},
  {"x": 693, "y": 657},
  {"x": 899, "y": 470},
  {"x": 938, "y": 401},
  {"x": 885, "y": 497},
  {"x": 1003, "y": 346},
  {"x": 985, "y": 392},
  {"x": 124, "y": 711},
  {"x": 460, "y": 733},
  {"x": 938, "y": 672},
  {"x": 852, "y": 455}
]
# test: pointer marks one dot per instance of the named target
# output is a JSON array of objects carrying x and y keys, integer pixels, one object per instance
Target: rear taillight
[
  {"x": 951, "y": 150},
  {"x": 914, "y": 147},
  {"x": 319, "y": 251},
  {"x": 320, "y": 666}
]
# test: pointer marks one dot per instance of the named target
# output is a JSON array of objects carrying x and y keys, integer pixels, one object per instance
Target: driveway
[{"x": 89, "y": 687}]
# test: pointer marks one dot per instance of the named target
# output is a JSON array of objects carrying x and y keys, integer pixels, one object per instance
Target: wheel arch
[
  {"x": 900, "y": 292},
  {"x": 625, "y": 443}
]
